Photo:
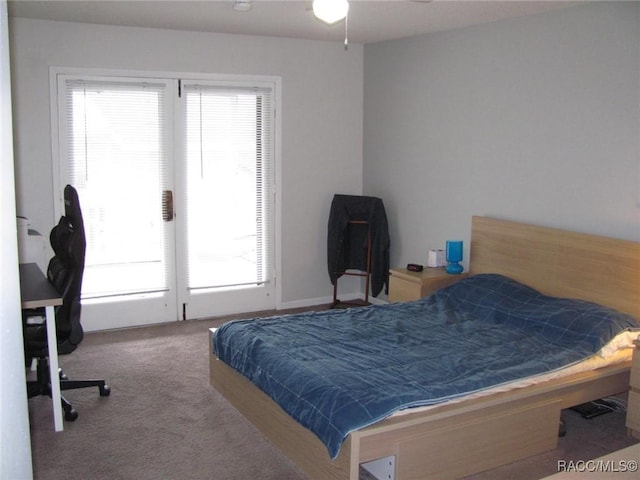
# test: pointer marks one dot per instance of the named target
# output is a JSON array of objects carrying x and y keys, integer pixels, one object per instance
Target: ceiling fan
[
  {"x": 332, "y": 11},
  {"x": 328, "y": 11}
]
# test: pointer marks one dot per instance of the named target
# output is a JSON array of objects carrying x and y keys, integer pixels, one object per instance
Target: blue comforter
[{"x": 340, "y": 370}]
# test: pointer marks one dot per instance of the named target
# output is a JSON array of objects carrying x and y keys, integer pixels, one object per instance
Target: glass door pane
[
  {"x": 115, "y": 154},
  {"x": 228, "y": 197}
]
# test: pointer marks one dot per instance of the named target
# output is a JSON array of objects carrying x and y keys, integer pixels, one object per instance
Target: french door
[{"x": 175, "y": 179}]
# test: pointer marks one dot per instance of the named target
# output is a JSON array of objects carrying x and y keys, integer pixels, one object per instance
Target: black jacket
[{"x": 347, "y": 243}]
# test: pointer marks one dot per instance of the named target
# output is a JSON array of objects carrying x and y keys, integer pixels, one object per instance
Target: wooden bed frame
[{"x": 459, "y": 439}]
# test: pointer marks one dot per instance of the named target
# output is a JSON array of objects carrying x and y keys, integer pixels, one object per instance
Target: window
[
  {"x": 228, "y": 185},
  {"x": 117, "y": 158},
  {"x": 128, "y": 144}
]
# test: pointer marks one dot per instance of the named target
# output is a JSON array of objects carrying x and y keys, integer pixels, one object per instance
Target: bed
[{"x": 469, "y": 434}]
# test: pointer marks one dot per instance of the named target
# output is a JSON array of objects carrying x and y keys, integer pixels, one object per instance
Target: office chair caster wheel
[
  {"x": 70, "y": 415},
  {"x": 105, "y": 391}
]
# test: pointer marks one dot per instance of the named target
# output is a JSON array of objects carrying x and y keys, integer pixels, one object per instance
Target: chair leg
[
  {"x": 42, "y": 386},
  {"x": 103, "y": 388},
  {"x": 69, "y": 413},
  {"x": 37, "y": 388}
]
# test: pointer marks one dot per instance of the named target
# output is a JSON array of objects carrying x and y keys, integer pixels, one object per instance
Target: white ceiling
[{"x": 368, "y": 21}]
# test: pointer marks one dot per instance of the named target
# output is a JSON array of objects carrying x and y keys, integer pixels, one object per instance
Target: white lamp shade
[{"x": 330, "y": 11}]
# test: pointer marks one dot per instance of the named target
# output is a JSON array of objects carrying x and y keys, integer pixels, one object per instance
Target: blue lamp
[{"x": 454, "y": 256}]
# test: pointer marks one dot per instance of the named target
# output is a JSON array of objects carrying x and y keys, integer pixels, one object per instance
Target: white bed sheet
[{"x": 621, "y": 353}]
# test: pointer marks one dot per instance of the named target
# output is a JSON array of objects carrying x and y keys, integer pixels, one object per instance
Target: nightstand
[
  {"x": 405, "y": 285},
  {"x": 633, "y": 402}
]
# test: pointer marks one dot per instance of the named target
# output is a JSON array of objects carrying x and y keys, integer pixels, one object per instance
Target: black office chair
[{"x": 65, "y": 272}]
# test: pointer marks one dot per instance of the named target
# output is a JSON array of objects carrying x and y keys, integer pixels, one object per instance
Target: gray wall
[
  {"x": 15, "y": 441},
  {"x": 534, "y": 119},
  {"x": 321, "y": 120}
]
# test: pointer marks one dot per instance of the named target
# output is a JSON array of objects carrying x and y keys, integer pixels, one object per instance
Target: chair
[{"x": 65, "y": 272}]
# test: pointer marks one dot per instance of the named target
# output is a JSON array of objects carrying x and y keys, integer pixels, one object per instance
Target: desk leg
[{"x": 52, "y": 343}]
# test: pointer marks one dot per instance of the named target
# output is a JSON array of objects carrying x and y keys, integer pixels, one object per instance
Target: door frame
[{"x": 89, "y": 324}]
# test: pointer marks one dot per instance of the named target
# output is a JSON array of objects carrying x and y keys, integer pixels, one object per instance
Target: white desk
[{"x": 37, "y": 292}]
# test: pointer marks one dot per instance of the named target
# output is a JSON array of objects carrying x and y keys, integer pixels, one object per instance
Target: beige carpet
[{"x": 164, "y": 421}]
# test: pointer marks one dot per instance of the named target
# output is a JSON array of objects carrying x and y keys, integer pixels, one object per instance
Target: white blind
[
  {"x": 115, "y": 140},
  {"x": 229, "y": 185}
]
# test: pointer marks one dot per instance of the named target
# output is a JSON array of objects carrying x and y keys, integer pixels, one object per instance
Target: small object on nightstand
[
  {"x": 436, "y": 258},
  {"x": 414, "y": 267},
  {"x": 454, "y": 256}
]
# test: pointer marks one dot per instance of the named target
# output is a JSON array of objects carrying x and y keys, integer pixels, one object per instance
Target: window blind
[
  {"x": 228, "y": 185},
  {"x": 115, "y": 140}
]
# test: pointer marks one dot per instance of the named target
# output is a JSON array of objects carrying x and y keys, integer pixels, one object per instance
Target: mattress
[
  {"x": 338, "y": 371},
  {"x": 623, "y": 354}
]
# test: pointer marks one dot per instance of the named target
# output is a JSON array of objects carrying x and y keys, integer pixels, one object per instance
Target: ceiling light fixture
[
  {"x": 330, "y": 11},
  {"x": 242, "y": 5}
]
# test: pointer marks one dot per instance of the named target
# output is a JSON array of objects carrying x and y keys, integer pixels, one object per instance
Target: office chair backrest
[{"x": 66, "y": 270}]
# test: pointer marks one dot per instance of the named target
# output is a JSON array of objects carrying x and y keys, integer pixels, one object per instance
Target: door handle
[{"x": 167, "y": 205}]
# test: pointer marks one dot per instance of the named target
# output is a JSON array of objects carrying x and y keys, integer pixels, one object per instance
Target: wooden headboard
[{"x": 558, "y": 262}]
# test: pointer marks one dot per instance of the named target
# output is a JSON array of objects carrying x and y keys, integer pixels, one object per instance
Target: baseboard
[{"x": 310, "y": 302}]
